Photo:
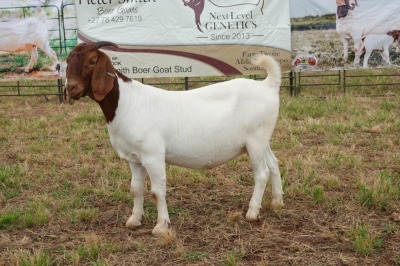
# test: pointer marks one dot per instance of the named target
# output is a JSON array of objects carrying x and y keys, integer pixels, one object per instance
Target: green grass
[
  {"x": 10, "y": 218},
  {"x": 318, "y": 194},
  {"x": 232, "y": 259},
  {"x": 85, "y": 216},
  {"x": 382, "y": 193},
  {"x": 364, "y": 241},
  {"x": 35, "y": 214},
  {"x": 35, "y": 258},
  {"x": 9, "y": 180},
  {"x": 194, "y": 255}
]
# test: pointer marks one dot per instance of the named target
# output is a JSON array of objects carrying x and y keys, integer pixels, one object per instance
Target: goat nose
[
  {"x": 70, "y": 83},
  {"x": 69, "y": 86}
]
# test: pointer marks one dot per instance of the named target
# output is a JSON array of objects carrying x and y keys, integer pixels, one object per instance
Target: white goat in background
[
  {"x": 380, "y": 42},
  {"x": 366, "y": 18},
  {"x": 27, "y": 34}
]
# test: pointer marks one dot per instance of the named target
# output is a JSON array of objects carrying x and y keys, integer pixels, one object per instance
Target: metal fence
[
  {"x": 43, "y": 88},
  {"x": 374, "y": 82},
  {"x": 69, "y": 26},
  {"x": 365, "y": 82}
]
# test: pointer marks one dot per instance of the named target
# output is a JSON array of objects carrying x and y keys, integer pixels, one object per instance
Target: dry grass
[{"x": 64, "y": 193}]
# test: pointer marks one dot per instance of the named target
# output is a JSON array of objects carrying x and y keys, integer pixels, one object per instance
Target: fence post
[
  {"x": 186, "y": 83},
  {"x": 344, "y": 81},
  {"x": 291, "y": 85},
  {"x": 60, "y": 90},
  {"x": 298, "y": 89}
]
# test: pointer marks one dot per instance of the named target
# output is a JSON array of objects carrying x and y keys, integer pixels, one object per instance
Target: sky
[{"x": 303, "y": 8}]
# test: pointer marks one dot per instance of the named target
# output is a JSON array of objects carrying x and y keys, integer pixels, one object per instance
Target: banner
[
  {"x": 345, "y": 34},
  {"x": 34, "y": 38},
  {"x": 159, "y": 38}
]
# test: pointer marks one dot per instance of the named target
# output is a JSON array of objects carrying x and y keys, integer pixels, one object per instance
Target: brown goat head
[
  {"x": 395, "y": 35},
  {"x": 89, "y": 72}
]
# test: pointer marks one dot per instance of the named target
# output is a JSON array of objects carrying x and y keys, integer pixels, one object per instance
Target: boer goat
[
  {"x": 200, "y": 128},
  {"x": 27, "y": 34},
  {"x": 378, "y": 42}
]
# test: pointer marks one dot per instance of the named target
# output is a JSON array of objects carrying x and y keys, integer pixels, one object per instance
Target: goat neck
[{"x": 109, "y": 104}]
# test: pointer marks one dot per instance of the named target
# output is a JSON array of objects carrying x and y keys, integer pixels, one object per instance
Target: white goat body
[
  {"x": 197, "y": 128},
  {"x": 367, "y": 18},
  {"x": 26, "y": 34},
  {"x": 370, "y": 43}
]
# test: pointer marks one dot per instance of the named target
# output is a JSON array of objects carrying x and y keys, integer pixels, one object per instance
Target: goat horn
[{"x": 101, "y": 44}]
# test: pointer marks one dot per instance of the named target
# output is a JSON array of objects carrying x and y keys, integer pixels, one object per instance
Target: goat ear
[{"x": 103, "y": 77}]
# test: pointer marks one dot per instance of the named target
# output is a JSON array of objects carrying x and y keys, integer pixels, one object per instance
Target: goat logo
[{"x": 198, "y": 7}]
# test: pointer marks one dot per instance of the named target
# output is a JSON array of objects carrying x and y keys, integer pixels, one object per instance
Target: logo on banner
[
  {"x": 304, "y": 62},
  {"x": 238, "y": 21}
]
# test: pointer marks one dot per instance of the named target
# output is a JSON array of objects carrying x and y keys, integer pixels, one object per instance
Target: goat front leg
[
  {"x": 386, "y": 56},
  {"x": 137, "y": 188},
  {"x": 358, "y": 55},
  {"x": 155, "y": 167},
  {"x": 32, "y": 61},
  {"x": 345, "y": 49}
]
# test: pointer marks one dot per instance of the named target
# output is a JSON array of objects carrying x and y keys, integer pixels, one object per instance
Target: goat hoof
[
  {"x": 277, "y": 204},
  {"x": 161, "y": 230},
  {"x": 133, "y": 222},
  {"x": 251, "y": 217}
]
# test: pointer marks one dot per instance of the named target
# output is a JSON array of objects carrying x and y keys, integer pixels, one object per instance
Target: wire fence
[{"x": 374, "y": 82}]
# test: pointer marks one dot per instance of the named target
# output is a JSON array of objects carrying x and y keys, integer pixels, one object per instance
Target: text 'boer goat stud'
[{"x": 200, "y": 128}]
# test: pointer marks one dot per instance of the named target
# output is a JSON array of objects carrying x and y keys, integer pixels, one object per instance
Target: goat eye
[{"x": 92, "y": 63}]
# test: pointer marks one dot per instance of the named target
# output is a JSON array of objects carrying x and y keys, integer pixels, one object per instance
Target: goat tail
[{"x": 273, "y": 69}]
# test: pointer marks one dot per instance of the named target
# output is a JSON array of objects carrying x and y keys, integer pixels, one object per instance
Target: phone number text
[{"x": 115, "y": 19}]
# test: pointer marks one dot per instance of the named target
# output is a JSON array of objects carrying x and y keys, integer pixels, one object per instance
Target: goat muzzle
[{"x": 73, "y": 90}]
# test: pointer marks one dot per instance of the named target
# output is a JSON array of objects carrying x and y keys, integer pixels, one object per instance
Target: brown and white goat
[{"x": 200, "y": 128}]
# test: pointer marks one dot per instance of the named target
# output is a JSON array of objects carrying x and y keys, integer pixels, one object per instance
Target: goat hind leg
[
  {"x": 276, "y": 180},
  {"x": 261, "y": 174},
  {"x": 53, "y": 56},
  {"x": 32, "y": 61},
  {"x": 366, "y": 58},
  {"x": 385, "y": 56},
  {"x": 137, "y": 188},
  {"x": 358, "y": 55}
]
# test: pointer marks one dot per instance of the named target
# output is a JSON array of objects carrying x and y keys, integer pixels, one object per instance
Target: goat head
[{"x": 89, "y": 71}]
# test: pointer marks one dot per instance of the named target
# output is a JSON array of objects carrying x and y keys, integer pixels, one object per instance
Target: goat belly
[{"x": 204, "y": 159}]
